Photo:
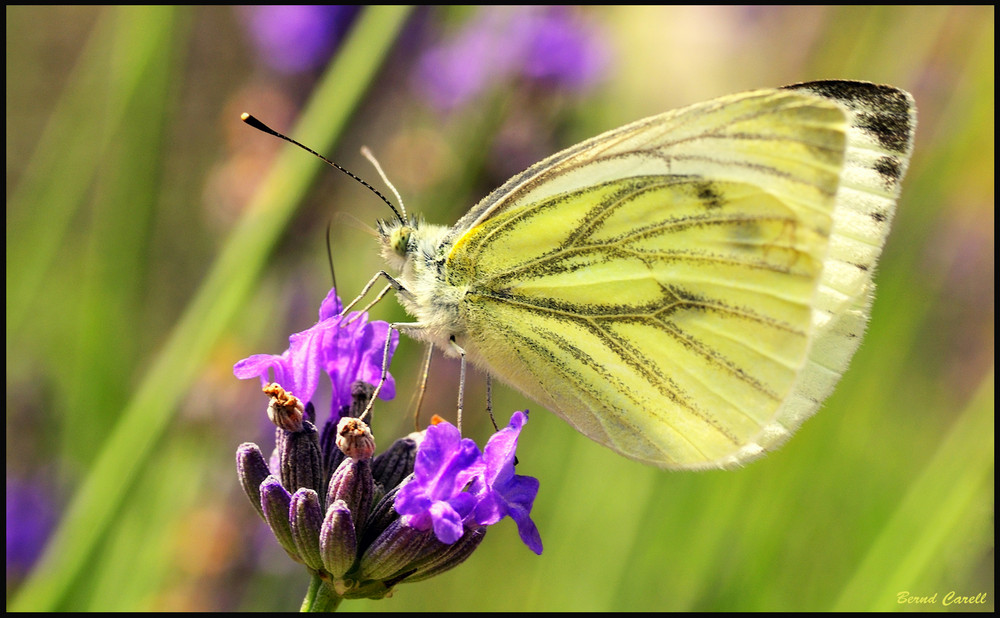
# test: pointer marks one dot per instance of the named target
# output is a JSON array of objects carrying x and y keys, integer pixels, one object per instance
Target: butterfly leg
[
  {"x": 396, "y": 285},
  {"x": 461, "y": 381},
  {"x": 397, "y": 326},
  {"x": 364, "y": 309},
  {"x": 489, "y": 400},
  {"x": 423, "y": 386}
]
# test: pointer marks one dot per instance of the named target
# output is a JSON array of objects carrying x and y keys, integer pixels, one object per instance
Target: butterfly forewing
[{"x": 688, "y": 288}]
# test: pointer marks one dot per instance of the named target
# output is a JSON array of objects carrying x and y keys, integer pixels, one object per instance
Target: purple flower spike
[
  {"x": 435, "y": 498},
  {"x": 436, "y": 494},
  {"x": 500, "y": 492},
  {"x": 548, "y": 46}
]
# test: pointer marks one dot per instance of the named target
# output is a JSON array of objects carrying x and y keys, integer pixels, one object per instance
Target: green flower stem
[
  {"x": 221, "y": 295},
  {"x": 320, "y": 598}
]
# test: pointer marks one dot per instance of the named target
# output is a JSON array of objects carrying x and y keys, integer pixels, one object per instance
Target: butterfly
[{"x": 686, "y": 289}]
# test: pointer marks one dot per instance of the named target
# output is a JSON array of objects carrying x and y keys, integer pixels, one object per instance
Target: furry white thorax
[{"x": 419, "y": 261}]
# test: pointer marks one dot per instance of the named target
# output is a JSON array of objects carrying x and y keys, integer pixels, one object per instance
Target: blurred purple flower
[
  {"x": 346, "y": 352},
  {"x": 560, "y": 52},
  {"x": 455, "y": 487},
  {"x": 295, "y": 39},
  {"x": 31, "y": 517},
  {"x": 543, "y": 45}
]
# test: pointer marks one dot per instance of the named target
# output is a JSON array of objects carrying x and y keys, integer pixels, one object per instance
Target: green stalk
[{"x": 319, "y": 597}]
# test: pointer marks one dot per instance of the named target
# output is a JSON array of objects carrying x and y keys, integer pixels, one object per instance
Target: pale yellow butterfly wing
[
  {"x": 688, "y": 289},
  {"x": 671, "y": 340}
]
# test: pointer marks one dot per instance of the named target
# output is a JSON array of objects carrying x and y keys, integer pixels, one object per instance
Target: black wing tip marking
[{"x": 884, "y": 112}]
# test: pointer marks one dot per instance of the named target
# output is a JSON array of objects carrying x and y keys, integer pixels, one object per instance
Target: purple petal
[
  {"x": 347, "y": 349},
  {"x": 436, "y": 495},
  {"x": 356, "y": 353},
  {"x": 331, "y": 305},
  {"x": 441, "y": 468},
  {"x": 501, "y": 492},
  {"x": 499, "y": 451},
  {"x": 448, "y": 526}
]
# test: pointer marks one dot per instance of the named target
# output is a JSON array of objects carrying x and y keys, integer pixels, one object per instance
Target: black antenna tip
[{"x": 257, "y": 124}]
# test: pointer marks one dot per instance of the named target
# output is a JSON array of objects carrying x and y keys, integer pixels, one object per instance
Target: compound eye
[{"x": 401, "y": 240}]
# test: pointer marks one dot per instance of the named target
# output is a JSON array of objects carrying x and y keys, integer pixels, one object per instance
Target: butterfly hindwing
[{"x": 665, "y": 316}]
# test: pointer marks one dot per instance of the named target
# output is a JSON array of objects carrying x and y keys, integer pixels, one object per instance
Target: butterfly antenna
[
  {"x": 329, "y": 256},
  {"x": 260, "y": 126},
  {"x": 371, "y": 158}
]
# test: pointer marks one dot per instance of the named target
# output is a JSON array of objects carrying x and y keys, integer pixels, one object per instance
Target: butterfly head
[
  {"x": 399, "y": 240},
  {"x": 395, "y": 238},
  {"x": 417, "y": 251}
]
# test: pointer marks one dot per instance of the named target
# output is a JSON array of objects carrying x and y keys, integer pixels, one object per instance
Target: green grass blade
[{"x": 950, "y": 493}]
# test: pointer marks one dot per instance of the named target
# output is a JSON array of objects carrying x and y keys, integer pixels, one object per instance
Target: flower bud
[
  {"x": 395, "y": 464},
  {"x": 284, "y": 409},
  {"x": 299, "y": 458},
  {"x": 361, "y": 393},
  {"x": 395, "y": 551},
  {"x": 338, "y": 544},
  {"x": 353, "y": 484},
  {"x": 355, "y": 439},
  {"x": 275, "y": 503},
  {"x": 252, "y": 470},
  {"x": 382, "y": 514},
  {"x": 306, "y": 517},
  {"x": 449, "y": 556}
]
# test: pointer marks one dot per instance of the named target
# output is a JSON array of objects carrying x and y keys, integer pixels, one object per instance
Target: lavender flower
[
  {"x": 454, "y": 486},
  {"x": 352, "y": 535},
  {"x": 335, "y": 509},
  {"x": 296, "y": 39},
  {"x": 445, "y": 465},
  {"x": 347, "y": 349},
  {"x": 547, "y": 46}
]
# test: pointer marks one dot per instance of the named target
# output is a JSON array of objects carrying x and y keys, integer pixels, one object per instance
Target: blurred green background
[{"x": 153, "y": 240}]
